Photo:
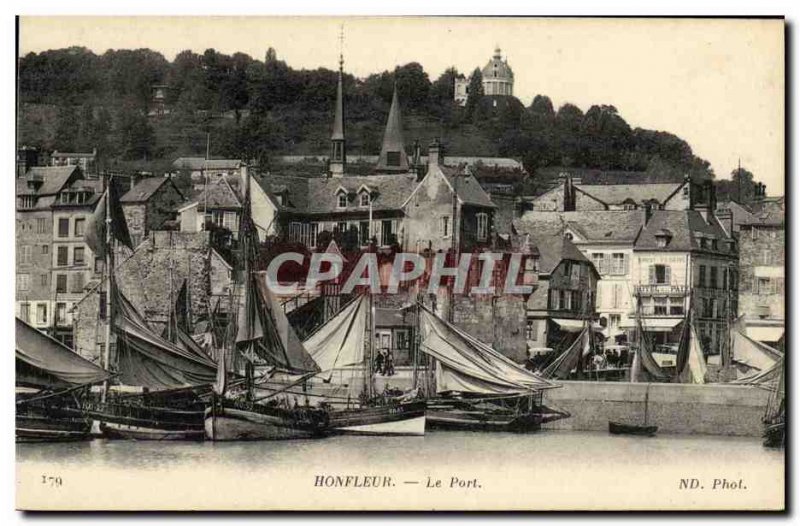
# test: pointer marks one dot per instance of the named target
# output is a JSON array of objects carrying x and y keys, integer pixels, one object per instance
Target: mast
[
  {"x": 646, "y": 402},
  {"x": 109, "y": 266},
  {"x": 370, "y": 355},
  {"x": 205, "y": 179}
]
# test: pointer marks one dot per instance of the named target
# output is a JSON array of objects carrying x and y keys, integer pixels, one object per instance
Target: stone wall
[
  {"x": 498, "y": 321},
  {"x": 752, "y": 263},
  {"x": 714, "y": 409}
]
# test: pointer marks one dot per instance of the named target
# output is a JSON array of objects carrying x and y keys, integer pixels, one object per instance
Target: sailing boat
[
  {"x": 51, "y": 379},
  {"x": 172, "y": 378},
  {"x": 775, "y": 416},
  {"x": 619, "y": 428},
  {"x": 345, "y": 345},
  {"x": 476, "y": 387},
  {"x": 263, "y": 339}
]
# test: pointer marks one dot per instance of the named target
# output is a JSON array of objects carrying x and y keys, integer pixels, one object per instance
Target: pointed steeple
[
  {"x": 393, "y": 156},
  {"x": 338, "y": 158}
]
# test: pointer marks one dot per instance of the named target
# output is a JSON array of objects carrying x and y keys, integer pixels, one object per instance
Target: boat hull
[
  {"x": 514, "y": 415},
  {"x": 34, "y": 428},
  {"x": 227, "y": 423},
  {"x": 401, "y": 419},
  {"x": 131, "y": 422},
  {"x": 619, "y": 428},
  {"x": 775, "y": 435},
  {"x": 140, "y": 432}
]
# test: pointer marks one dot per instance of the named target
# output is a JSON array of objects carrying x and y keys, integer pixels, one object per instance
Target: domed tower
[{"x": 498, "y": 79}]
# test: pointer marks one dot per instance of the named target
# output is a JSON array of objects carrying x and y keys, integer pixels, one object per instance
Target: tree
[
  {"x": 474, "y": 94},
  {"x": 740, "y": 187},
  {"x": 136, "y": 138},
  {"x": 66, "y": 133},
  {"x": 413, "y": 85}
]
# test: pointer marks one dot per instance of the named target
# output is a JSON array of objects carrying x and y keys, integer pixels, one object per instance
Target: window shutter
[
  {"x": 652, "y": 274},
  {"x": 625, "y": 264},
  {"x": 667, "y": 276}
]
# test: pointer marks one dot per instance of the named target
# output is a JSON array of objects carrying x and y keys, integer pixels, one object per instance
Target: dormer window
[
  {"x": 364, "y": 199},
  {"x": 341, "y": 200},
  {"x": 663, "y": 237},
  {"x": 64, "y": 198}
]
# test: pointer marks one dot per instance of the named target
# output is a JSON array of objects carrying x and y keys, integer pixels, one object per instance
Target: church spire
[
  {"x": 338, "y": 158},
  {"x": 393, "y": 156}
]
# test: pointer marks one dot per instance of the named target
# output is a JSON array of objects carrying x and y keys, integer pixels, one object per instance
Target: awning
[
  {"x": 655, "y": 324},
  {"x": 569, "y": 325},
  {"x": 765, "y": 334}
]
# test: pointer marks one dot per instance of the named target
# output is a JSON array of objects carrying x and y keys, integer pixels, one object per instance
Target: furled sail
[
  {"x": 465, "y": 366},
  {"x": 297, "y": 357},
  {"x": 340, "y": 341},
  {"x": 46, "y": 359},
  {"x": 752, "y": 354},
  {"x": 694, "y": 368},
  {"x": 96, "y": 225},
  {"x": 146, "y": 359},
  {"x": 649, "y": 370},
  {"x": 567, "y": 361},
  {"x": 767, "y": 378}
]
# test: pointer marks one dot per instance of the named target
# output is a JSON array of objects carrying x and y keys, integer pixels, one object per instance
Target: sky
[{"x": 718, "y": 84}]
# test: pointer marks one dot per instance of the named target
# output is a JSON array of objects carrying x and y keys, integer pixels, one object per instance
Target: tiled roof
[
  {"x": 683, "y": 225},
  {"x": 76, "y": 155},
  {"x": 620, "y": 226},
  {"x": 199, "y": 163},
  {"x": 614, "y": 194},
  {"x": 467, "y": 187},
  {"x": 143, "y": 190},
  {"x": 592, "y": 176},
  {"x": 53, "y": 178},
  {"x": 769, "y": 211},
  {"x": 549, "y": 242},
  {"x": 220, "y": 195}
]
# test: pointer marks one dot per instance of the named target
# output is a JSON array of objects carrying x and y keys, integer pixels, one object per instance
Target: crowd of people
[{"x": 384, "y": 362}]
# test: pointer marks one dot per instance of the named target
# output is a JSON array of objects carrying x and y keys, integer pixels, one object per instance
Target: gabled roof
[
  {"x": 317, "y": 195},
  {"x": 684, "y": 225},
  {"x": 605, "y": 226},
  {"x": 219, "y": 195},
  {"x": 615, "y": 194},
  {"x": 468, "y": 189},
  {"x": 200, "y": 163},
  {"x": 144, "y": 190},
  {"x": 552, "y": 250},
  {"x": 53, "y": 178}
]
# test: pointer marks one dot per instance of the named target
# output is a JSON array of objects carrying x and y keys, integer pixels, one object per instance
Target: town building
[
  {"x": 86, "y": 161},
  {"x": 762, "y": 262},
  {"x": 159, "y": 98},
  {"x": 498, "y": 80},
  {"x": 206, "y": 171},
  {"x": 148, "y": 205},
  {"x": 54, "y": 264},
  {"x": 570, "y": 194},
  {"x": 563, "y": 299},
  {"x": 607, "y": 239}
]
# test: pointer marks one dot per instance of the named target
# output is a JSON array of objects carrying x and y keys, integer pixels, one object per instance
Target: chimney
[
  {"x": 435, "y": 150},
  {"x": 648, "y": 213}
]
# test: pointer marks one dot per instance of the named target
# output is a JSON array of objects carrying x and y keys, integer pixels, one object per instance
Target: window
[
  {"x": 63, "y": 227},
  {"x": 444, "y": 226},
  {"x": 45, "y": 249},
  {"x": 576, "y": 301},
  {"x": 23, "y": 282},
  {"x": 765, "y": 286},
  {"x": 567, "y": 268},
  {"x": 599, "y": 261},
  {"x": 724, "y": 279},
  {"x": 562, "y": 300},
  {"x": 766, "y": 257},
  {"x": 364, "y": 199},
  {"x": 714, "y": 244},
  {"x": 41, "y": 225},
  {"x": 676, "y": 306},
  {"x": 80, "y": 225},
  {"x": 712, "y": 277},
  {"x": 660, "y": 275},
  {"x": 77, "y": 282},
  {"x": 393, "y": 158},
  {"x": 28, "y": 201},
  {"x": 686, "y": 191},
  {"x": 363, "y": 232},
  {"x": 61, "y": 313},
  {"x": 25, "y": 254},
  {"x": 41, "y": 313},
  {"x": 61, "y": 283},
  {"x": 483, "y": 226},
  {"x": 660, "y": 306},
  {"x": 531, "y": 330},
  {"x": 701, "y": 276},
  {"x": 619, "y": 264},
  {"x": 62, "y": 257},
  {"x": 342, "y": 200},
  {"x": 341, "y": 227},
  {"x": 554, "y": 299},
  {"x": 25, "y": 312},
  {"x": 78, "y": 256},
  {"x": 64, "y": 198},
  {"x": 43, "y": 280},
  {"x": 103, "y": 307},
  {"x": 230, "y": 221}
]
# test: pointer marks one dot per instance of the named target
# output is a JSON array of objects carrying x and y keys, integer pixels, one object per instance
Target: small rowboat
[{"x": 618, "y": 428}]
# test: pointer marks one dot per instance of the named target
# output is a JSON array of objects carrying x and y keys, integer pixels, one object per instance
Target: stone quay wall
[{"x": 713, "y": 409}]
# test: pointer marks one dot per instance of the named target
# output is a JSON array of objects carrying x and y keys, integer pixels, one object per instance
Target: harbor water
[{"x": 589, "y": 470}]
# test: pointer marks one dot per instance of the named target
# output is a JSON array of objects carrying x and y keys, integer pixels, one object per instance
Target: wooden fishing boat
[
  {"x": 619, "y": 428},
  {"x": 393, "y": 418},
  {"x": 227, "y": 419},
  {"x": 476, "y": 387},
  {"x": 344, "y": 342},
  {"x": 52, "y": 381},
  {"x": 53, "y": 420}
]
